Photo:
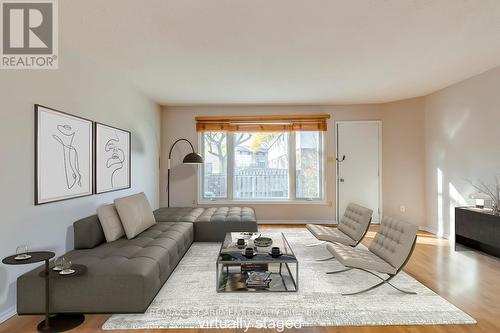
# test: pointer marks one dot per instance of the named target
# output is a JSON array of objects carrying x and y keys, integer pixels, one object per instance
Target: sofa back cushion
[
  {"x": 88, "y": 233},
  {"x": 135, "y": 213},
  {"x": 394, "y": 241},
  {"x": 110, "y": 222},
  {"x": 355, "y": 221}
]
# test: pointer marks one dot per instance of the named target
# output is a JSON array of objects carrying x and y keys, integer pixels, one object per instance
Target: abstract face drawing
[
  {"x": 65, "y": 137},
  {"x": 115, "y": 157}
]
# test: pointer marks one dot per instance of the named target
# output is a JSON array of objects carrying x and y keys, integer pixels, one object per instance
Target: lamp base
[{"x": 61, "y": 323}]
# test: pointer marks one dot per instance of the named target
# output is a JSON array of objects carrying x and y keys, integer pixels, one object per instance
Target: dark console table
[{"x": 478, "y": 229}]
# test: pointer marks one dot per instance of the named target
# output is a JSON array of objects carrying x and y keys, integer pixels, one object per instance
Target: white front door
[{"x": 358, "y": 173}]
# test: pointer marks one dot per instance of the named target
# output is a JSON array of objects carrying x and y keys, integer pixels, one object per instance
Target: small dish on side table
[
  {"x": 22, "y": 257},
  {"x": 68, "y": 271},
  {"x": 77, "y": 270}
]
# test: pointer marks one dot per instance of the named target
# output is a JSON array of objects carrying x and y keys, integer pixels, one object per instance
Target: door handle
[{"x": 341, "y": 180}]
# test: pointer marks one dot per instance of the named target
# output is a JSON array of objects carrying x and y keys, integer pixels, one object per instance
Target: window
[
  {"x": 262, "y": 166},
  {"x": 215, "y": 165},
  {"x": 308, "y": 171}
]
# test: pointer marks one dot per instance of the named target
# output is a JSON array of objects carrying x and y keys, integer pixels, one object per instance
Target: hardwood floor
[{"x": 468, "y": 279}]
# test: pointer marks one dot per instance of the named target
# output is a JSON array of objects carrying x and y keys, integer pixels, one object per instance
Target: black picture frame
[
  {"x": 39, "y": 199},
  {"x": 98, "y": 162}
]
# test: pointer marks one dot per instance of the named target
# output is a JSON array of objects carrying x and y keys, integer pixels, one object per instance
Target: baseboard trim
[
  {"x": 428, "y": 229},
  {"x": 432, "y": 230},
  {"x": 7, "y": 314},
  {"x": 296, "y": 222}
]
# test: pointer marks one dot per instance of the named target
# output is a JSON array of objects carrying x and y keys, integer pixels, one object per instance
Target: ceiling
[{"x": 285, "y": 51}]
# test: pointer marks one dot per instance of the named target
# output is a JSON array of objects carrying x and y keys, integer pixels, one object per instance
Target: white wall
[
  {"x": 84, "y": 89},
  {"x": 403, "y": 154},
  {"x": 462, "y": 132}
]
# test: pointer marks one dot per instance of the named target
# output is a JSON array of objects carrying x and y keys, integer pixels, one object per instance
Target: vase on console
[
  {"x": 491, "y": 191},
  {"x": 495, "y": 208}
]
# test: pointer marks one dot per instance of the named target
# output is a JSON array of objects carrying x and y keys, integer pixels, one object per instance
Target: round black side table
[
  {"x": 64, "y": 321},
  {"x": 59, "y": 322},
  {"x": 39, "y": 256}
]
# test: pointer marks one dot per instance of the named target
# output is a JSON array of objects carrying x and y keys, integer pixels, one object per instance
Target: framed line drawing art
[
  {"x": 112, "y": 158},
  {"x": 63, "y": 156}
]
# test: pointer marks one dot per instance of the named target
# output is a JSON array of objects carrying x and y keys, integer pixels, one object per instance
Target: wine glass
[
  {"x": 66, "y": 266},
  {"x": 59, "y": 263},
  {"x": 22, "y": 252}
]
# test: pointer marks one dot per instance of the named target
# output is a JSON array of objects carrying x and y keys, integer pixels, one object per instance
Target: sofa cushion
[
  {"x": 177, "y": 214},
  {"x": 136, "y": 214},
  {"x": 88, "y": 233},
  {"x": 211, "y": 224},
  {"x": 227, "y": 214},
  {"x": 110, "y": 222},
  {"x": 210, "y": 214}
]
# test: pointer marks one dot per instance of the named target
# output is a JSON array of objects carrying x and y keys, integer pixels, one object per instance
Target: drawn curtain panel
[
  {"x": 63, "y": 158},
  {"x": 112, "y": 161}
]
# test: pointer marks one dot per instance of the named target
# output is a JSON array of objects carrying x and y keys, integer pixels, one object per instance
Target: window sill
[{"x": 262, "y": 202}]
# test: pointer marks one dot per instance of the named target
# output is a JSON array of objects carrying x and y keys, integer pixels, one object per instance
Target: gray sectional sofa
[{"x": 125, "y": 275}]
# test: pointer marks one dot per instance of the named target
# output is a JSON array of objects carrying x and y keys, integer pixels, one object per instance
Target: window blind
[{"x": 263, "y": 123}]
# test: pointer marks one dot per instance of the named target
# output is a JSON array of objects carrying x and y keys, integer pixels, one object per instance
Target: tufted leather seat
[
  {"x": 351, "y": 228},
  {"x": 394, "y": 241},
  {"x": 356, "y": 257},
  {"x": 330, "y": 234},
  {"x": 388, "y": 251},
  {"x": 122, "y": 276}
]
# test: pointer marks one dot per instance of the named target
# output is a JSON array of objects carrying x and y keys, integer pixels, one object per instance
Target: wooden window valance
[{"x": 278, "y": 123}]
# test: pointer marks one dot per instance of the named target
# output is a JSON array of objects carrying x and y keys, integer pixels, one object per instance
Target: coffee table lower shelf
[{"x": 230, "y": 278}]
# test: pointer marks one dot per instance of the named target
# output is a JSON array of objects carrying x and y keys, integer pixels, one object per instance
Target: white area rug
[{"x": 189, "y": 300}]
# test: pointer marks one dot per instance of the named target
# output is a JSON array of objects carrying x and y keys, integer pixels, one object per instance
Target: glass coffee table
[{"x": 262, "y": 272}]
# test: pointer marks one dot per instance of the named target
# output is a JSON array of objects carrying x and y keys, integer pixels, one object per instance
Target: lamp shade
[{"x": 192, "y": 158}]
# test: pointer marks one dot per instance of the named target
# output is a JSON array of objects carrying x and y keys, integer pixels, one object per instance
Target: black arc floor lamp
[{"x": 191, "y": 158}]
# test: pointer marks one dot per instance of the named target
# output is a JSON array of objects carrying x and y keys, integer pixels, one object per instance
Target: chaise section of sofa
[
  {"x": 122, "y": 276},
  {"x": 211, "y": 224}
]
